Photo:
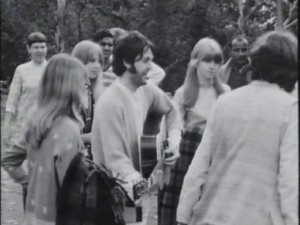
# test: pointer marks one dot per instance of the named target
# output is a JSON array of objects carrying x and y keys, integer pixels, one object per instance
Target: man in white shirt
[{"x": 121, "y": 112}]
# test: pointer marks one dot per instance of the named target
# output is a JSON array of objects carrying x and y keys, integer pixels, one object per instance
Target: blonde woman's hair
[
  {"x": 84, "y": 50},
  {"x": 204, "y": 47},
  {"x": 59, "y": 95}
]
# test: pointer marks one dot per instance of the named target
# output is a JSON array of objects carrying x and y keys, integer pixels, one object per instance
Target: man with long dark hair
[{"x": 121, "y": 112}]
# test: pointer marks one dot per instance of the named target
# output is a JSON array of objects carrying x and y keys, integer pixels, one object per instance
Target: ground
[{"x": 11, "y": 193}]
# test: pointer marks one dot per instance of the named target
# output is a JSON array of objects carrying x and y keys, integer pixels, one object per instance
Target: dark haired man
[
  {"x": 106, "y": 40},
  {"x": 121, "y": 112},
  {"x": 234, "y": 71}
]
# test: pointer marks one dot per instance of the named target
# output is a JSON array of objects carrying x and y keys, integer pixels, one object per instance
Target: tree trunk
[
  {"x": 279, "y": 15},
  {"x": 241, "y": 21},
  {"x": 59, "y": 40}
]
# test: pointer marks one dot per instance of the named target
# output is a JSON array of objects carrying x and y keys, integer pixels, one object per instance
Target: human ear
[
  {"x": 28, "y": 49},
  {"x": 126, "y": 64}
]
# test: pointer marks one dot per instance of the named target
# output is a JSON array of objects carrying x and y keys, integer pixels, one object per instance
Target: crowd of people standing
[{"x": 232, "y": 127}]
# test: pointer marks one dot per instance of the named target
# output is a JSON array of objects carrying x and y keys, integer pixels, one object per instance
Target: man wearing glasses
[{"x": 235, "y": 71}]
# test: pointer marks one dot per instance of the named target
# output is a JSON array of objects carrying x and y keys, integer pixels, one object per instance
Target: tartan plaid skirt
[{"x": 168, "y": 197}]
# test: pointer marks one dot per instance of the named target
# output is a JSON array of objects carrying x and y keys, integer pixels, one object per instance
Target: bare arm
[
  {"x": 12, "y": 159},
  {"x": 9, "y": 119}
]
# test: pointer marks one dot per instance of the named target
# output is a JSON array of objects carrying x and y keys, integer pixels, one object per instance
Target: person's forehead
[
  {"x": 239, "y": 43},
  {"x": 147, "y": 54},
  {"x": 94, "y": 54},
  {"x": 37, "y": 44},
  {"x": 107, "y": 40}
]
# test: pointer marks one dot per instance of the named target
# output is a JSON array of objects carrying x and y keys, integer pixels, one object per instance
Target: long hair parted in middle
[
  {"x": 205, "y": 47},
  {"x": 61, "y": 91},
  {"x": 85, "y": 49}
]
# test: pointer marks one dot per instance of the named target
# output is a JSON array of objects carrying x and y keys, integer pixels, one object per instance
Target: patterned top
[
  {"x": 245, "y": 170},
  {"x": 23, "y": 94},
  {"x": 57, "y": 150}
]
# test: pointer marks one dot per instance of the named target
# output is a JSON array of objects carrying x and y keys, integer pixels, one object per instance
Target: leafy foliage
[{"x": 174, "y": 26}]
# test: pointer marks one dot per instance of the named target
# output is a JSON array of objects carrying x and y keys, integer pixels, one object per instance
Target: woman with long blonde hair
[
  {"x": 195, "y": 98},
  {"x": 91, "y": 55},
  {"x": 52, "y": 138},
  {"x": 246, "y": 168}
]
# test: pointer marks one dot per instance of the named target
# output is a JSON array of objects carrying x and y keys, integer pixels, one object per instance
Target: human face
[
  {"x": 208, "y": 67},
  {"x": 107, "y": 46},
  {"x": 140, "y": 68},
  {"x": 94, "y": 66},
  {"x": 37, "y": 51},
  {"x": 240, "y": 51}
]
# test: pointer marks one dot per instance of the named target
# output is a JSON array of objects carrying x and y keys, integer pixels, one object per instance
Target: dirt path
[
  {"x": 11, "y": 193},
  {"x": 11, "y": 201}
]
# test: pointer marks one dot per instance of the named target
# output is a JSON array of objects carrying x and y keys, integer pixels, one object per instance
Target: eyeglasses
[{"x": 104, "y": 44}]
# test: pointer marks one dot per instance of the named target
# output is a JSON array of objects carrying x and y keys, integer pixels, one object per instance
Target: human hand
[
  {"x": 171, "y": 155},
  {"x": 179, "y": 223}
]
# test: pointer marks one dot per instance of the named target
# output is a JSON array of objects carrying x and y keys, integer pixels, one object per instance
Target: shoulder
[
  {"x": 111, "y": 94},
  {"x": 178, "y": 94},
  {"x": 179, "y": 91},
  {"x": 226, "y": 87},
  {"x": 23, "y": 67},
  {"x": 111, "y": 98},
  {"x": 66, "y": 126},
  {"x": 150, "y": 89}
]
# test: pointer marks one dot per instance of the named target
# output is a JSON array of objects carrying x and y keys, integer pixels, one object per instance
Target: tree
[{"x": 174, "y": 26}]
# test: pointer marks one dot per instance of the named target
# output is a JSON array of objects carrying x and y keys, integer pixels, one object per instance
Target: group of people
[{"x": 232, "y": 128}]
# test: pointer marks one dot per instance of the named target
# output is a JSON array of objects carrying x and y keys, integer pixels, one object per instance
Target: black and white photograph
[{"x": 149, "y": 112}]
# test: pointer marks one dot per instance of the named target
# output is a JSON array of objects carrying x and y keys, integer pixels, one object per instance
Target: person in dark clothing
[{"x": 234, "y": 72}]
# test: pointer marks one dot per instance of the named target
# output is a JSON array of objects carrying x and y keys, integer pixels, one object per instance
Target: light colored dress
[{"x": 23, "y": 94}]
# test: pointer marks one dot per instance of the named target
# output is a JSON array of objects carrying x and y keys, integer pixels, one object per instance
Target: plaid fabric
[
  {"x": 168, "y": 197},
  {"x": 89, "y": 196}
]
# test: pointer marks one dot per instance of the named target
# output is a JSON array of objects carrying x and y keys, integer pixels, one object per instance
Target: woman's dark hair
[
  {"x": 274, "y": 58},
  {"x": 36, "y": 37},
  {"x": 127, "y": 49}
]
